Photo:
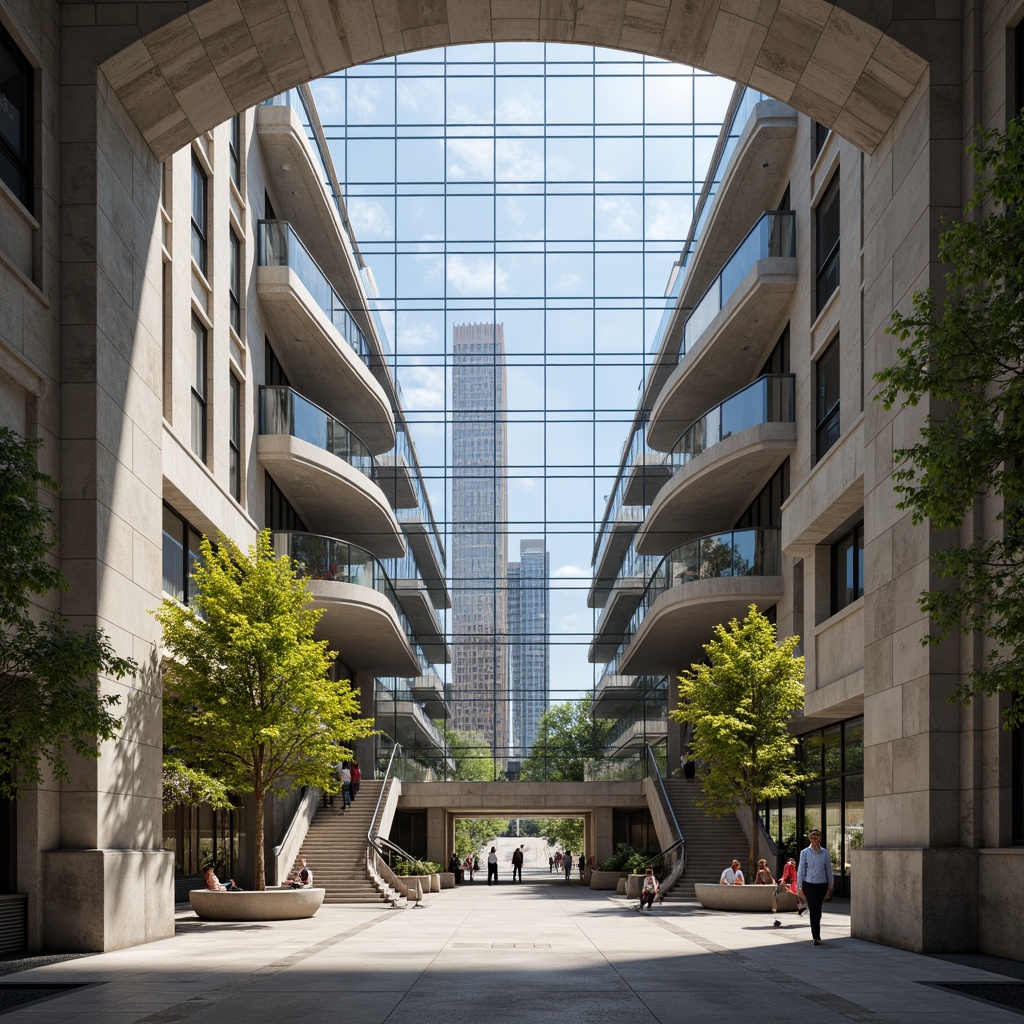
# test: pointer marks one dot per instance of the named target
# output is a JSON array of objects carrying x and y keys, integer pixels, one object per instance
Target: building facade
[
  {"x": 103, "y": 93},
  {"x": 479, "y": 681},
  {"x": 529, "y": 610}
]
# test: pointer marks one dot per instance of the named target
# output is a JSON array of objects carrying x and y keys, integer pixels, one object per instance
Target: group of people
[
  {"x": 563, "y": 862},
  {"x": 349, "y": 776},
  {"x": 811, "y": 880}
]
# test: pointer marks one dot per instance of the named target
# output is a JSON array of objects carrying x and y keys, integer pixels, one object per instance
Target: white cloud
[
  {"x": 471, "y": 159},
  {"x": 475, "y": 275},
  {"x": 363, "y": 98},
  {"x": 570, "y": 572},
  {"x": 370, "y": 219},
  {"x": 618, "y": 217},
  {"x": 522, "y": 108},
  {"x": 422, "y": 388},
  {"x": 519, "y": 160},
  {"x": 668, "y": 217},
  {"x": 416, "y": 333},
  {"x": 523, "y": 483}
]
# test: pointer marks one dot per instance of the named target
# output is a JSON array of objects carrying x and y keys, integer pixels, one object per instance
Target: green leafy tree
[
  {"x": 471, "y": 754},
  {"x": 50, "y": 699},
  {"x": 473, "y": 834},
  {"x": 965, "y": 354},
  {"x": 566, "y": 833},
  {"x": 248, "y": 703},
  {"x": 567, "y": 738},
  {"x": 739, "y": 705}
]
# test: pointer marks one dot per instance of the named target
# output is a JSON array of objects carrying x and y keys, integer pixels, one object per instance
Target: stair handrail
[
  {"x": 678, "y": 848},
  {"x": 375, "y": 841},
  {"x": 383, "y": 789},
  {"x": 285, "y": 853}
]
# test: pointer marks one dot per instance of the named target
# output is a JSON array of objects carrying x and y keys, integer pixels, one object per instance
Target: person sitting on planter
[
  {"x": 303, "y": 877},
  {"x": 213, "y": 883},
  {"x": 732, "y": 875}
]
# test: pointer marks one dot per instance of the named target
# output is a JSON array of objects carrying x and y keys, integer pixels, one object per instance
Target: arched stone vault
[{"x": 197, "y": 70}]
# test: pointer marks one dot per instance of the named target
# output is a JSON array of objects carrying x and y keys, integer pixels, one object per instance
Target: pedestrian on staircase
[
  {"x": 357, "y": 777},
  {"x": 346, "y": 784},
  {"x": 339, "y": 768}
]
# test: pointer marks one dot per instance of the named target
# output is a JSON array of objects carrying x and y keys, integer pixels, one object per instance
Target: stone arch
[{"x": 833, "y": 61}]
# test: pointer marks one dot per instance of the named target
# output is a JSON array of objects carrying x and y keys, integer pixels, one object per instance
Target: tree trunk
[{"x": 260, "y": 881}]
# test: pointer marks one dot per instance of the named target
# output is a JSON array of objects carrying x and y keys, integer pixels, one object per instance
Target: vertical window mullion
[
  {"x": 200, "y": 188},
  {"x": 199, "y": 374}
]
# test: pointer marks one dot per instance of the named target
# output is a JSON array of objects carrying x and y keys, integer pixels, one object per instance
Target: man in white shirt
[
  {"x": 732, "y": 875},
  {"x": 814, "y": 880}
]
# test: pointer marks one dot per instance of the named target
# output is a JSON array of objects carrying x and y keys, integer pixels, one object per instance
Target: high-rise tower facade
[
  {"x": 479, "y": 682},
  {"x": 529, "y": 606}
]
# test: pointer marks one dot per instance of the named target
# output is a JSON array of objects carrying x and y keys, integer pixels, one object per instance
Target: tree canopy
[
  {"x": 965, "y": 354},
  {"x": 739, "y": 704},
  {"x": 50, "y": 697},
  {"x": 249, "y": 706},
  {"x": 567, "y": 738}
]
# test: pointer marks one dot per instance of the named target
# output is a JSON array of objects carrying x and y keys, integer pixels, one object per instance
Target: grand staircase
[
  {"x": 711, "y": 843},
  {"x": 335, "y": 848}
]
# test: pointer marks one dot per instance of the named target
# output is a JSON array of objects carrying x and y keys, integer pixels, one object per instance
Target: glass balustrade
[
  {"x": 327, "y": 558},
  {"x": 770, "y": 399},
  {"x": 284, "y": 411},
  {"x": 772, "y": 236},
  {"x": 280, "y": 246}
]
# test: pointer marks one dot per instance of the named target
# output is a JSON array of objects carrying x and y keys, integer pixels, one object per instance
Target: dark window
[
  {"x": 268, "y": 207},
  {"x": 826, "y": 224},
  {"x": 275, "y": 375},
  {"x": 235, "y": 440},
  {"x": 199, "y": 347},
  {"x": 15, "y": 120},
  {"x": 764, "y": 510},
  {"x": 848, "y": 568},
  {"x": 1018, "y": 70},
  {"x": 181, "y": 553},
  {"x": 820, "y": 133},
  {"x": 827, "y": 404},
  {"x": 778, "y": 360},
  {"x": 199, "y": 189},
  {"x": 281, "y": 515},
  {"x": 235, "y": 149},
  {"x": 235, "y": 289}
]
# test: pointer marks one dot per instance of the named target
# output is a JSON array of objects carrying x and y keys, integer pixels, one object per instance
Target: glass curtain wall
[{"x": 547, "y": 188}]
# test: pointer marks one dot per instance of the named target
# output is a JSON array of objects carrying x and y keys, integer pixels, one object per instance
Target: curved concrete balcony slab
[
  {"x": 428, "y": 690},
  {"x": 400, "y": 716},
  {"x": 612, "y": 547},
  {"x": 303, "y": 198},
  {"x": 728, "y": 352},
  {"x": 635, "y": 735},
  {"x": 330, "y": 495},
  {"x": 754, "y": 179},
  {"x": 418, "y": 606},
  {"x": 618, "y": 610},
  {"x": 616, "y": 696},
  {"x": 682, "y": 619},
  {"x": 323, "y": 366},
  {"x": 419, "y": 532},
  {"x": 363, "y": 626},
  {"x": 645, "y": 477},
  {"x": 394, "y": 474},
  {"x": 715, "y": 486}
]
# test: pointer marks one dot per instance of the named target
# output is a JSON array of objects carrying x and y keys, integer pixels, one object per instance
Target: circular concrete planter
[
  {"x": 606, "y": 879},
  {"x": 745, "y": 898},
  {"x": 272, "y": 905},
  {"x": 447, "y": 879},
  {"x": 620, "y": 886},
  {"x": 410, "y": 881},
  {"x": 435, "y": 881}
]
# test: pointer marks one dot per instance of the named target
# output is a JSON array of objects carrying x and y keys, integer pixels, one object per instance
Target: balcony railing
[
  {"x": 327, "y": 558},
  {"x": 772, "y": 236},
  {"x": 770, "y": 399},
  {"x": 284, "y": 411},
  {"x": 280, "y": 246},
  {"x": 623, "y": 514},
  {"x": 754, "y": 552}
]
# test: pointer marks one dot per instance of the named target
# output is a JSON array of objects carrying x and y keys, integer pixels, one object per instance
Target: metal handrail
[
  {"x": 679, "y": 867},
  {"x": 376, "y": 842}
]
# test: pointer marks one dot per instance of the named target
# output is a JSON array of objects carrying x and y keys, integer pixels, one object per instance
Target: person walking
[
  {"x": 357, "y": 777},
  {"x": 517, "y": 864},
  {"x": 814, "y": 880},
  {"x": 567, "y": 865},
  {"x": 346, "y": 785},
  {"x": 648, "y": 890},
  {"x": 492, "y": 866},
  {"x": 551, "y": 864}
]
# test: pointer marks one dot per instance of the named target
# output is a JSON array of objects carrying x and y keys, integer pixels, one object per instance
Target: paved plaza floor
[{"x": 533, "y": 953}]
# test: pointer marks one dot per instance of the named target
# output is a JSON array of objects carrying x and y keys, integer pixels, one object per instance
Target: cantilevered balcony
[
  {"x": 418, "y": 606},
  {"x": 697, "y": 586},
  {"x": 731, "y": 330},
  {"x": 422, "y": 534},
  {"x": 721, "y": 462},
  {"x": 362, "y": 618},
  {"x": 613, "y": 543},
  {"x": 618, "y": 609},
  {"x": 618, "y": 696},
  {"x": 326, "y": 471},
  {"x": 643, "y": 725},
  {"x": 322, "y": 346},
  {"x": 403, "y": 718},
  {"x": 396, "y": 473},
  {"x": 428, "y": 690}
]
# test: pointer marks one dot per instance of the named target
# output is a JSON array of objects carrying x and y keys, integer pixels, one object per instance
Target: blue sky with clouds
[{"x": 548, "y": 187}]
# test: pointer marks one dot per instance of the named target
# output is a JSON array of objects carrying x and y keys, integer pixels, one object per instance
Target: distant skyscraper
[
  {"x": 529, "y": 606},
  {"x": 479, "y": 680}
]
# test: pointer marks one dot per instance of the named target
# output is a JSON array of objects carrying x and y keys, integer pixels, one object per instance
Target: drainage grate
[
  {"x": 1007, "y": 994},
  {"x": 12, "y": 997}
]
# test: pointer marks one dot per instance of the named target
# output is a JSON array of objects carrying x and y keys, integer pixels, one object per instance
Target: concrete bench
[
  {"x": 271, "y": 905},
  {"x": 748, "y": 898}
]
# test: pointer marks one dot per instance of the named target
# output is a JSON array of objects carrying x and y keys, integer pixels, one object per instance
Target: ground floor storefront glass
[
  {"x": 200, "y": 836},
  {"x": 832, "y": 799}
]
